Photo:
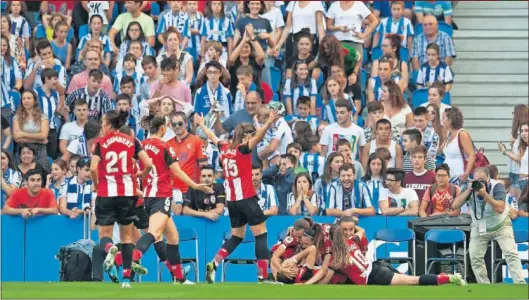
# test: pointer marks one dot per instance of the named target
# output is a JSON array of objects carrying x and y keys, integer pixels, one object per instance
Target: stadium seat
[
  {"x": 275, "y": 73},
  {"x": 319, "y": 83},
  {"x": 397, "y": 235},
  {"x": 155, "y": 9},
  {"x": 83, "y": 31},
  {"x": 376, "y": 53},
  {"x": 365, "y": 57},
  {"x": 185, "y": 235},
  {"x": 420, "y": 96},
  {"x": 441, "y": 236},
  {"x": 520, "y": 237},
  {"x": 448, "y": 29},
  {"x": 248, "y": 239}
]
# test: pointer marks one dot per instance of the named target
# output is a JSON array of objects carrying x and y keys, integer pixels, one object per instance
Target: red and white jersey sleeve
[
  {"x": 237, "y": 166},
  {"x": 158, "y": 183}
]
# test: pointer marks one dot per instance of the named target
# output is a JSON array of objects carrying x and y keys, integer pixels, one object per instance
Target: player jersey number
[
  {"x": 359, "y": 260},
  {"x": 113, "y": 158},
  {"x": 230, "y": 168}
]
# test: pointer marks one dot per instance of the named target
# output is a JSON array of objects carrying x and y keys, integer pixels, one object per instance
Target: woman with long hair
[
  {"x": 520, "y": 116},
  {"x": 391, "y": 48},
  {"x": 248, "y": 52},
  {"x": 374, "y": 179},
  {"x": 241, "y": 198},
  {"x": 304, "y": 44},
  {"x": 434, "y": 120},
  {"x": 96, "y": 33},
  {"x": 30, "y": 125},
  {"x": 347, "y": 258},
  {"x": 27, "y": 154},
  {"x": 158, "y": 192},
  {"x": 134, "y": 33},
  {"x": 396, "y": 110},
  {"x": 331, "y": 173},
  {"x": 523, "y": 203},
  {"x": 12, "y": 76},
  {"x": 172, "y": 48},
  {"x": 436, "y": 94},
  {"x": 16, "y": 44},
  {"x": 458, "y": 147},
  {"x": 519, "y": 155},
  {"x": 56, "y": 180},
  {"x": 333, "y": 91},
  {"x": 114, "y": 179},
  {"x": 11, "y": 177},
  {"x": 300, "y": 85},
  {"x": 303, "y": 200},
  {"x": 216, "y": 22}
]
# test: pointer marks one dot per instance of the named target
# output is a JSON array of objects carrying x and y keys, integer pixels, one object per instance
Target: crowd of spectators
[{"x": 350, "y": 142}]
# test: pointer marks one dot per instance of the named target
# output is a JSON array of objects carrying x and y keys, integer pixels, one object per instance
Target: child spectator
[
  {"x": 129, "y": 69},
  {"x": 83, "y": 145},
  {"x": 49, "y": 101},
  {"x": 151, "y": 75},
  {"x": 173, "y": 17},
  {"x": 16, "y": 43},
  {"x": 434, "y": 70},
  {"x": 195, "y": 23},
  {"x": 311, "y": 159},
  {"x": 61, "y": 49},
  {"x": 20, "y": 25},
  {"x": 303, "y": 108},
  {"x": 300, "y": 85},
  {"x": 383, "y": 140},
  {"x": 96, "y": 32},
  {"x": 99, "y": 102},
  {"x": 45, "y": 60},
  {"x": 295, "y": 149},
  {"x": 48, "y": 23},
  {"x": 396, "y": 24},
  {"x": 334, "y": 91},
  {"x": 214, "y": 50},
  {"x": 375, "y": 112},
  {"x": 56, "y": 180},
  {"x": 281, "y": 134},
  {"x": 74, "y": 129},
  {"x": 124, "y": 103},
  {"x": 127, "y": 86},
  {"x": 213, "y": 91},
  {"x": 344, "y": 147},
  {"x": 77, "y": 194},
  {"x": 438, "y": 197},
  {"x": 216, "y": 27},
  {"x": 419, "y": 179},
  {"x": 246, "y": 85}
]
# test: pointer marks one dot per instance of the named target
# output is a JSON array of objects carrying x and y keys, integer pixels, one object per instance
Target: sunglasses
[{"x": 177, "y": 124}]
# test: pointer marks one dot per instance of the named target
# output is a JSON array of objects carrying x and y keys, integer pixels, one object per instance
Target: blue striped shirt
[
  {"x": 445, "y": 42},
  {"x": 11, "y": 177},
  {"x": 377, "y": 86},
  {"x": 402, "y": 27},
  {"x": 10, "y": 73},
  {"x": 267, "y": 197},
  {"x": 193, "y": 45},
  {"x": 77, "y": 195},
  {"x": 219, "y": 30},
  {"x": 48, "y": 104},
  {"x": 177, "y": 20},
  {"x": 294, "y": 92},
  {"x": 103, "y": 38},
  {"x": 146, "y": 50},
  {"x": 313, "y": 121},
  {"x": 314, "y": 163},
  {"x": 57, "y": 67},
  {"x": 139, "y": 79},
  {"x": 428, "y": 75}
]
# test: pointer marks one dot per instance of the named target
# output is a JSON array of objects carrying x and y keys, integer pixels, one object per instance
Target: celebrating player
[
  {"x": 113, "y": 179},
  {"x": 287, "y": 248},
  {"x": 158, "y": 194},
  {"x": 242, "y": 201},
  {"x": 348, "y": 259}
]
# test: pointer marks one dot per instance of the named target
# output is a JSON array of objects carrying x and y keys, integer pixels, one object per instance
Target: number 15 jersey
[
  {"x": 237, "y": 166},
  {"x": 116, "y": 169}
]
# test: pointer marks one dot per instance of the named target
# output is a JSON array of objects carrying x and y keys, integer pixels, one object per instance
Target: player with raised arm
[
  {"x": 115, "y": 182},
  {"x": 347, "y": 258},
  {"x": 241, "y": 198},
  {"x": 158, "y": 194}
]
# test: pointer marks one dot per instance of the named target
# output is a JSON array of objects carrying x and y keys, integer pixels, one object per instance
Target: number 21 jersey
[
  {"x": 237, "y": 166},
  {"x": 116, "y": 169}
]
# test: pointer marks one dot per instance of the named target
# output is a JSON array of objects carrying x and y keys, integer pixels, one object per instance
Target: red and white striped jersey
[
  {"x": 358, "y": 267},
  {"x": 158, "y": 183},
  {"x": 237, "y": 166},
  {"x": 116, "y": 169}
]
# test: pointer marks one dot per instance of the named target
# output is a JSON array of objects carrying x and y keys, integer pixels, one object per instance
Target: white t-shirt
[
  {"x": 524, "y": 163},
  {"x": 352, "y": 18},
  {"x": 282, "y": 132},
  {"x": 98, "y": 8},
  {"x": 398, "y": 121},
  {"x": 71, "y": 131},
  {"x": 402, "y": 199},
  {"x": 334, "y": 132},
  {"x": 275, "y": 17},
  {"x": 304, "y": 17}
]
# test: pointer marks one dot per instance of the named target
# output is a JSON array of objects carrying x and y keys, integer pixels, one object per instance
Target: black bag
[{"x": 76, "y": 265}]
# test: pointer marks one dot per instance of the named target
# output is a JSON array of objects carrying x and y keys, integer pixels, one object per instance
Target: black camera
[{"x": 478, "y": 185}]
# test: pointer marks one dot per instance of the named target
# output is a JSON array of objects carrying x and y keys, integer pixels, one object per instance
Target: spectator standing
[
  {"x": 520, "y": 116},
  {"x": 300, "y": 15},
  {"x": 266, "y": 193},
  {"x": 383, "y": 140},
  {"x": 213, "y": 95},
  {"x": 430, "y": 138},
  {"x": 344, "y": 128},
  {"x": 200, "y": 204},
  {"x": 523, "y": 203},
  {"x": 458, "y": 148},
  {"x": 195, "y": 21},
  {"x": 74, "y": 129},
  {"x": 303, "y": 200},
  {"x": 83, "y": 145},
  {"x": 282, "y": 178},
  {"x": 56, "y": 180},
  {"x": 281, "y": 134},
  {"x": 133, "y": 14},
  {"x": 383, "y": 9},
  {"x": 48, "y": 99},
  {"x": 92, "y": 61},
  {"x": 217, "y": 27},
  {"x": 434, "y": 120},
  {"x": 398, "y": 22},
  {"x": 401, "y": 201},
  {"x": 20, "y": 25},
  {"x": 11, "y": 177},
  {"x": 77, "y": 194},
  {"x": 349, "y": 196},
  {"x": 30, "y": 125},
  {"x": 32, "y": 200},
  {"x": 434, "y": 70},
  {"x": 438, "y": 197},
  {"x": 419, "y": 179},
  {"x": 345, "y": 18},
  {"x": 520, "y": 155},
  {"x": 432, "y": 34},
  {"x": 175, "y": 17},
  {"x": 248, "y": 52}
]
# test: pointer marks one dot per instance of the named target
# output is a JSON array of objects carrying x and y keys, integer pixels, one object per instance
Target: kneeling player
[
  {"x": 287, "y": 248},
  {"x": 348, "y": 259}
]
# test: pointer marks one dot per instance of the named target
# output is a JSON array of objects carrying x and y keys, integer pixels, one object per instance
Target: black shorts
[
  {"x": 154, "y": 205},
  {"x": 381, "y": 273},
  {"x": 110, "y": 210},
  {"x": 143, "y": 218},
  {"x": 244, "y": 212}
]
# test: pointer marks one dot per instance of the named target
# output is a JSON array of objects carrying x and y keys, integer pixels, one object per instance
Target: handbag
[{"x": 480, "y": 159}]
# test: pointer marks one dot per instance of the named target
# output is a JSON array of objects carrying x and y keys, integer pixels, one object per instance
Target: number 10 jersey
[
  {"x": 237, "y": 166},
  {"x": 116, "y": 176}
]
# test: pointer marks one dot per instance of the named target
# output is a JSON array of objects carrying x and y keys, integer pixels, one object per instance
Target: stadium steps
[{"x": 491, "y": 69}]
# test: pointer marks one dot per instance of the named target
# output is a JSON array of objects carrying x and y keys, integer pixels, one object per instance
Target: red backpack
[{"x": 480, "y": 159}]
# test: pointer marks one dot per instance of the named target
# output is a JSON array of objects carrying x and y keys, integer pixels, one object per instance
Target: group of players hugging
[{"x": 309, "y": 253}]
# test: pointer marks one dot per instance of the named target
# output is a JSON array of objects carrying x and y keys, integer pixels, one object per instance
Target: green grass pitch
[{"x": 238, "y": 291}]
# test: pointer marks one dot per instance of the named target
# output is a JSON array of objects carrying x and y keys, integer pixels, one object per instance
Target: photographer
[{"x": 490, "y": 221}]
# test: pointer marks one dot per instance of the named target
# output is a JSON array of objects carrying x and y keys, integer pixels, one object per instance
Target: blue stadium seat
[
  {"x": 376, "y": 53},
  {"x": 520, "y": 237},
  {"x": 397, "y": 235},
  {"x": 365, "y": 57},
  {"x": 442, "y": 236},
  {"x": 83, "y": 31},
  {"x": 448, "y": 29},
  {"x": 275, "y": 73},
  {"x": 236, "y": 260},
  {"x": 319, "y": 83},
  {"x": 155, "y": 9},
  {"x": 185, "y": 235}
]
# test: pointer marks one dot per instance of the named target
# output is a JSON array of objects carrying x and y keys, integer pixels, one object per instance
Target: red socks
[
  {"x": 136, "y": 256},
  {"x": 221, "y": 255},
  {"x": 175, "y": 270},
  {"x": 126, "y": 273},
  {"x": 262, "y": 268},
  {"x": 443, "y": 279}
]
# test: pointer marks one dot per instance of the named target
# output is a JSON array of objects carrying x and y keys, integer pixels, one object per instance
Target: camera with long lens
[{"x": 478, "y": 185}]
